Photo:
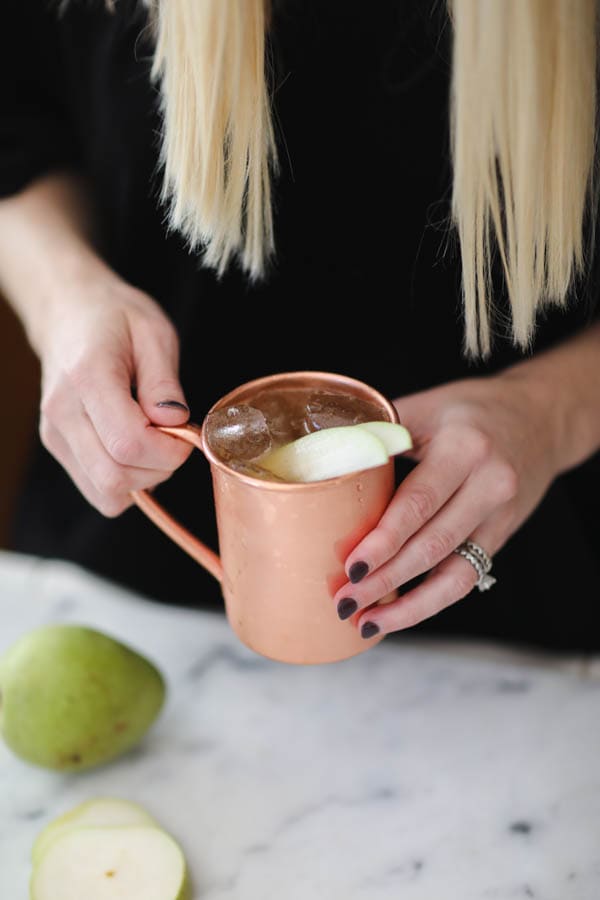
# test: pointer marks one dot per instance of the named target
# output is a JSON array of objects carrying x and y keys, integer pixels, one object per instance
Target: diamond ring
[{"x": 481, "y": 562}]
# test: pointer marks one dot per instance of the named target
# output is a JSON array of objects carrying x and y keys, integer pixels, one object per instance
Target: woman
[{"x": 102, "y": 245}]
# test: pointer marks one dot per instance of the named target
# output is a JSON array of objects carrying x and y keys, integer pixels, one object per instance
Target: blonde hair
[
  {"x": 523, "y": 102},
  {"x": 523, "y": 105},
  {"x": 218, "y": 147}
]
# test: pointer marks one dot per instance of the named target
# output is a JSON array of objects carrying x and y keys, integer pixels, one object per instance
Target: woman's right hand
[{"x": 109, "y": 358}]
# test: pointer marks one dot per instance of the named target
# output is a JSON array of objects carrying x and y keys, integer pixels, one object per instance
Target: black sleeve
[{"x": 35, "y": 133}]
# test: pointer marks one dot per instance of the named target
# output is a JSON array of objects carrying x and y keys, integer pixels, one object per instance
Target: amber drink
[
  {"x": 283, "y": 544},
  {"x": 242, "y": 434}
]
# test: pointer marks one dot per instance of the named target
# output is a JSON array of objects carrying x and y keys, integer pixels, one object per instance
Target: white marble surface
[{"x": 414, "y": 772}]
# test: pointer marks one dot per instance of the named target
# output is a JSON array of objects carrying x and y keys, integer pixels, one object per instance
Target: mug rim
[{"x": 266, "y": 380}]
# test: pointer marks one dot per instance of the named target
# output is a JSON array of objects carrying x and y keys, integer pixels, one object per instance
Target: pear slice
[
  {"x": 103, "y": 811},
  {"x": 326, "y": 454},
  {"x": 126, "y": 863},
  {"x": 395, "y": 438}
]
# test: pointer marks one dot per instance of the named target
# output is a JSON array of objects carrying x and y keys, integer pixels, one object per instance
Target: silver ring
[{"x": 481, "y": 562}]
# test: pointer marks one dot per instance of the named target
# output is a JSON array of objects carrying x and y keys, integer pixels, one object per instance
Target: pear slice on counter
[
  {"x": 123, "y": 863},
  {"x": 337, "y": 451},
  {"x": 395, "y": 438},
  {"x": 103, "y": 811}
]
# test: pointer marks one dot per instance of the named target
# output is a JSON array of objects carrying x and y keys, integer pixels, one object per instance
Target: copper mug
[{"x": 283, "y": 546}]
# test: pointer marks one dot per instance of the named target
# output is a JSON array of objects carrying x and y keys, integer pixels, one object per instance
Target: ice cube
[
  {"x": 285, "y": 413},
  {"x": 331, "y": 410},
  {"x": 238, "y": 433}
]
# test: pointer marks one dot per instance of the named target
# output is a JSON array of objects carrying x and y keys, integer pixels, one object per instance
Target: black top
[{"x": 361, "y": 210}]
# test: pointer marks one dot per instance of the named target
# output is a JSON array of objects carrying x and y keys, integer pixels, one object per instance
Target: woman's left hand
[{"x": 487, "y": 451}]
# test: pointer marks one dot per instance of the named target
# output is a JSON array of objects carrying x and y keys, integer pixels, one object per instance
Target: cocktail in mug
[{"x": 283, "y": 544}]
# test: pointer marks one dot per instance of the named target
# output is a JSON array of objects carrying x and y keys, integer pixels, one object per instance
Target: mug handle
[{"x": 171, "y": 527}]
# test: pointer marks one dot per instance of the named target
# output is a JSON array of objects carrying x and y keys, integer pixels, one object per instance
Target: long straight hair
[
  {"x": 218, "y": 148},
  {"x": 523, "y": 106}
]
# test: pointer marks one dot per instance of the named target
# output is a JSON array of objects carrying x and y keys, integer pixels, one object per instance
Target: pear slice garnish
[{"x": 337, "y": 451}]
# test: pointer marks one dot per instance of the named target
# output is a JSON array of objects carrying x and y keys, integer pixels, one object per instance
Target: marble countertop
[{"x": 417, "y": 771}]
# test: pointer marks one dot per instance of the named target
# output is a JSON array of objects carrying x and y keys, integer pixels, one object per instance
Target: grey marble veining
[{"x": 418, "y": 771}]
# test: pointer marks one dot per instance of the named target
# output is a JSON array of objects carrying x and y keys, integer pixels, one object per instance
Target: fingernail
[
  {"x": 173, "y": 404},
  {"x": 357, "y": 572},
  {"x": 346, "y": 607},
  {"x": 369, "y": 630}
]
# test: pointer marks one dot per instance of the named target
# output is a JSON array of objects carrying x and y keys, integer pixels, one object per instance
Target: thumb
[{"x": 159, "y": 392}]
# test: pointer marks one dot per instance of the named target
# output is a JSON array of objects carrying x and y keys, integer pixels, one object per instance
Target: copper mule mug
[{"x": 283, "y": 546}]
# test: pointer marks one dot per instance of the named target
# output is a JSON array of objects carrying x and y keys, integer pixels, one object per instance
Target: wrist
[
  {"x": 545, "y": 405},
  {"x": 562, "y": 387},
  {"x": 48, "y": 263},
  {"x": 67, "y": 289}
]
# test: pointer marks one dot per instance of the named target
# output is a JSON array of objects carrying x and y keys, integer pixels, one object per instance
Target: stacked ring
[{"x": 481, "y": 562}]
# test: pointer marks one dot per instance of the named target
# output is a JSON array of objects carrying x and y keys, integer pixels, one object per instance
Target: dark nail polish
[
  {"x": 369, "y": 630},
  {"x": 173, "y": 404},
  {"x": 357, "y": 572},
  {"x": 346, "y": 607}
]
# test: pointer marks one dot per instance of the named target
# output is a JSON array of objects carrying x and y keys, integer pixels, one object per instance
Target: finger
[
  {"x": 422, "y": 493},
  {"x": 414, "y": 413},
  {"x": 122, "y": 427},
  {"x": 103, "y": 482},
  {"x": 482, "y": 493},
  {"x": 59, "y": 448},
  {"x": 108, "y": 477},
  {"x": 156, "y": 359},
  {"x": 449, "y": 582}
]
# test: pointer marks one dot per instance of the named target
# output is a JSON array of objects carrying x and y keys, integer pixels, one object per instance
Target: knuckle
[
  {"x": 171, "y": 458},
  {"x": 421, "y": 503},
  {"x": 158, "y": 328},
  {"x": 124, "y": 449},
  {"x": 385, "y": 584},
  {"x": 168, "y": 387},
  {"x": 169, "y": 334},
  {"x": 79, "y": 373},
  {"x": 111, "y": 507},
  {"x": 390, "y": 541},
  {"x": 506, "y": 482},
  {"x": 437, "y": 547},
  {"x": 109, "y": 483},
  {"x": 479, "y": 445},
  {"x": 51, "y": 404},
  {"x": 47, "y": 406},
  {"x": 163, "y": 327}
]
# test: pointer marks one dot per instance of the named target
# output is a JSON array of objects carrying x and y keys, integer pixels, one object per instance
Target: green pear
[
  {"x": 72, "y": 698},
  {"x": 133, "y": 862},
  {"x": 103, "y": 811}
]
